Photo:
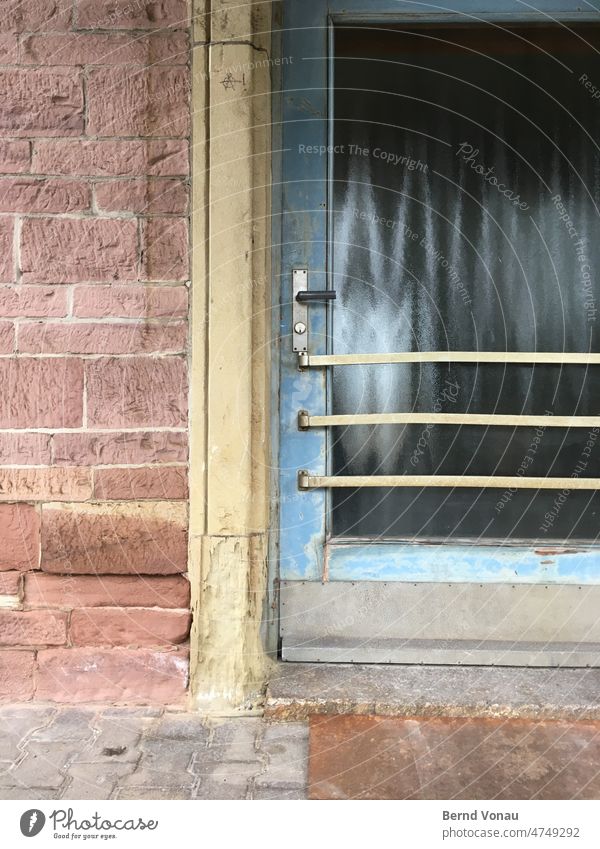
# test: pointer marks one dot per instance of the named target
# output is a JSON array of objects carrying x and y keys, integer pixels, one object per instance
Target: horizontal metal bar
[
  {"x": 305, "y": 420},
  {"x": 548, "y": 358},
  {"x": 308, "y": 481}
]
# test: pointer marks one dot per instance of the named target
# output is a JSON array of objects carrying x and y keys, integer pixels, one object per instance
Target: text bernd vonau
[{"x": 476, "y": 815}]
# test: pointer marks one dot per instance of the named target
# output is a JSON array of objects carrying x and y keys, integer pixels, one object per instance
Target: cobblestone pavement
[{"x": 49, "y": 752}]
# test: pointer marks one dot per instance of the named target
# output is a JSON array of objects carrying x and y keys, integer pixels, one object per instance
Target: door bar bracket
[
  {"x": 302, "y": 296},
  {"x": 299, "y": 311}
]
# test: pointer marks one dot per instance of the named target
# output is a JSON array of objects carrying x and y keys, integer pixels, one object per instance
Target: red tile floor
[{"x": 370, "y": 757}]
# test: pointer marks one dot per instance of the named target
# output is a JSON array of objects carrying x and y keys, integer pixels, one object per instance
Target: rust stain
[{"x": 548, "y": 552}]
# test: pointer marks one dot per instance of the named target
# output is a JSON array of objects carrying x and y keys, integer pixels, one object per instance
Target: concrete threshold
[{"x": 297, "y": 690}]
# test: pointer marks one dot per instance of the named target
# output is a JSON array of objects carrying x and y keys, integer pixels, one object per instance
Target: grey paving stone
[
  {"x": 15, "y": 793},
  {"x": 23, "y": 709},
  {"x": 157, "y": 778},
  {"x": 166, "y": 777},
  {"x": 235, "y": 772},
  {"x": 147, "y": 753},
  {"x": 154, "y": 793},
  {"x": 5, "y": 766},
  {"x": 19, "y": 721},
  {"x": 284, "y": 777},
  {"x": 70, "y": 725},
  {"x": 9, "y": 747},
  {"x": 117, "y": 741},
  {"x": 222, "y": 789},
  {"x": 280, "y": 736},
  {"x": 181, "y": 727},
  {"x": 235, "y": 740},
  {"x": 286, "y": 748},
  {"x": 170, "y": 754},
  {"x": 44, "y": 765},
  {"x": 91, "y": 781},
  {"x": 132, "y": 712},
  {"x": 280, "y": 792},
  {"x": 163, "y": 763}
]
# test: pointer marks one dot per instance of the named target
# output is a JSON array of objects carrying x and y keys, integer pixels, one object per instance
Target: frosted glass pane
[{"x": 466, "y": 188}]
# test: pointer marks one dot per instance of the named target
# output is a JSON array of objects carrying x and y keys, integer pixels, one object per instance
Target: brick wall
[{"x": 94, "y": 195}]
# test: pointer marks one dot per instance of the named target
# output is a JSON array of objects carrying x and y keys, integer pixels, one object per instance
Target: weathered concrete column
[{"x": 230, "y": 353}]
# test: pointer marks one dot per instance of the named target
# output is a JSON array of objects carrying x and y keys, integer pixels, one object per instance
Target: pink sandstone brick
[
  {"x": 134, "y": 158},
  {"x": 125, "y": 14},
  {"x": 40, "y": 194},
  {"x": 7, "y": 263},
  {"x": 138, "y": 338},
  {"x": 16, "y": 675},
  {"x": 24, "y": 449},
  {"x": 129, "y": 447},
  {"x": 20, "y": 535},
  {"x": 41, "y": 102},
  {"x": 129, "y": 301},
  {"x": 62, "y": 483},
  {"x": 15, "y": 157},
  {"x": 133, "y": 627},
  {"x": 33, "y": 628},
  {"x": 165, "y": 249},
  {"x": 7, "y": 337},
  {"x": 135, "y": 484},
  {"x": 34, "y": 15},
  {"x": 132, "y": 102},
  {"x": 58, "y": 250},
  {"x": 105, "y": 49},
  {"x": 117, "y": 543},
  {"x": 11, "y": 584},
  {"x": 41, "y": 393},
  {"x": 32, "y": 302},
  {"x": 121, "y": 676},
  {"x": 69, "y": 591},
  {"x": 137, "y": 392},
  {"x": 9, "y": 50},
  {"x": 143, "y": 196}
]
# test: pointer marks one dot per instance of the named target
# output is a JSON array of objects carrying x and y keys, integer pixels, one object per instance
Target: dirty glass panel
[{"x": 465, "y": 197}]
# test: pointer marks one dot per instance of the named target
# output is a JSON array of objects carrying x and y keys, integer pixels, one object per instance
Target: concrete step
[{"x": 297, "y": 690}]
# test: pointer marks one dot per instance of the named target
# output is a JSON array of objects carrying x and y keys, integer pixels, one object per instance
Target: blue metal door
[{"x": 373, "y": 578}]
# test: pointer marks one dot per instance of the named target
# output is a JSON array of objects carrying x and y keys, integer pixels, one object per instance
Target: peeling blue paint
[
  {"x": 303, "y": 245},
  {"x": 453, "y": 563}
]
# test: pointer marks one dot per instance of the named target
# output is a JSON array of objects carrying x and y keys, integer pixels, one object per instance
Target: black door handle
[{"x": 311, "y": 295}]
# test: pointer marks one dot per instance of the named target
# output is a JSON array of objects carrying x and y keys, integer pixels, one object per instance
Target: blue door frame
[{"x": 305, "y": 554}]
